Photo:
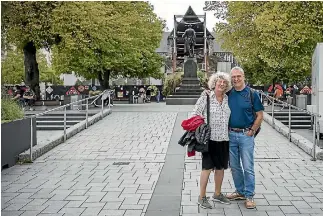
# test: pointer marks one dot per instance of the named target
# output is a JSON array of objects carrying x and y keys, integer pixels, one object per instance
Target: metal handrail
[
  {"x": 287, "y": 104},
  {"x": 314, "y": 118},
  {"x": 64, "y": 107}
]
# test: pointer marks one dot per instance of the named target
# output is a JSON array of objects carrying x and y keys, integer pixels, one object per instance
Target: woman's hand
[{"x": 207, "y": 91}]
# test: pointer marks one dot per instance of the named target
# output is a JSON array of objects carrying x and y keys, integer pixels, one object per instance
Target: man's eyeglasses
[{"x": 236, "y": 77}]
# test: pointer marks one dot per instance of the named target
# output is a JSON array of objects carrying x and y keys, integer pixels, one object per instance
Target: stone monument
[
  {"x": 190, "y": 43},
  {"x": 190, "y": 89}
]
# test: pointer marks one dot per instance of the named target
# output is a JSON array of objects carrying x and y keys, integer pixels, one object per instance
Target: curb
[
  {"x": 298, "y": 140},
  {"x": 70, "y": 132}
]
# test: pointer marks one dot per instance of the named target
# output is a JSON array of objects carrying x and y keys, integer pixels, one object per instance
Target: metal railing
[
  {"x": 314, "y": 118},
  {"x": 104, "y": 93}
]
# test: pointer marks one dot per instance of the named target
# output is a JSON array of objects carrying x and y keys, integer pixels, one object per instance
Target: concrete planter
[{"x": 15, "y": 139}]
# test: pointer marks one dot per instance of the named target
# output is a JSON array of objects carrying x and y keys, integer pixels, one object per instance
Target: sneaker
[
  {"x": 204, "y": 203},
  {"x": 221, "y": 198},
  {"x": 236, "y": 196},
  {"x": 250, "y": 203}
]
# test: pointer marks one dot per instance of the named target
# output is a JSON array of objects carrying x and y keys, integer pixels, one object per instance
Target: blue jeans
[{"x": 242, "y": 152}]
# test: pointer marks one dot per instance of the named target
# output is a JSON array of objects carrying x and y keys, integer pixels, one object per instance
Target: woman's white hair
[{"x": 219, "y": 76}]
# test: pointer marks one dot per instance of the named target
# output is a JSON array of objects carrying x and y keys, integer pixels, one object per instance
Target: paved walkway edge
[
  {"x": 303, "y": 143},
  {"x": 167, "y": 196},
  {"x": 70, "y": 132}
]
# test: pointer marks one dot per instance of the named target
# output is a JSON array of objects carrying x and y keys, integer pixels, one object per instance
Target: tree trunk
[
  {"x": 106, "y": 76},
  {"x": 31, "y": 68},
  {"x": 100, "y": 78},
  {"x": 104, "y": 81}
]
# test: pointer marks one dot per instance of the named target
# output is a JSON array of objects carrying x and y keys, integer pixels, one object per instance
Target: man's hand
[{"x": 250, "y": 133}]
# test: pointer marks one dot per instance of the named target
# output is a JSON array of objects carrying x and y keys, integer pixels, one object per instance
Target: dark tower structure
[{"x": 190, "y": 42}]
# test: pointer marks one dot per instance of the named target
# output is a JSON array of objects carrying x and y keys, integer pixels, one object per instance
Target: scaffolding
[{"x": 205, "y": 48}]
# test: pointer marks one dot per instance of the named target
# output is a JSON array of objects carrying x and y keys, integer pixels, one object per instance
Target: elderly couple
[{"x": 234, "y": 119}]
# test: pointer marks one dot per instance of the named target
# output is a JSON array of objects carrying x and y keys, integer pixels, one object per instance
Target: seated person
[
  {"x": 18, "y": 95},
  {"x": 29, "y": 97},
  {"x": 278, "y": 93}
]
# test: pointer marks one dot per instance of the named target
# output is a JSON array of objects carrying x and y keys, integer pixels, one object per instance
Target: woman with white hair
[{"x": 217, "y": 157}]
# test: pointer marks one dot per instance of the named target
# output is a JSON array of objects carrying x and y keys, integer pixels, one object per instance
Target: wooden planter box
[{"x": 15, "y": 139}]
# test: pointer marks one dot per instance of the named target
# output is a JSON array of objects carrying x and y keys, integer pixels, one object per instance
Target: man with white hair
[{"x": 245, "y": 120}]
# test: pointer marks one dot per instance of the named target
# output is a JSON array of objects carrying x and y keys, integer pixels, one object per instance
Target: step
[
  {"x": 195, "y": 82},
  {"x": 293, "y": 113},
  {"x": 197, "y": 85},
  {"x": 52, "y": 127},
  {"x": 180, "y": 101},
  {"x": 184, "y": 96},
  {"x": 60, "y": 118},
  {"x": 297, "y": 122},
  {"x": 186, "y": 93},
  {"x": 190, "y": 79},
  {"x": 189, "y": 90},
  {"x": 294, "y": 117},
  {"x": 300, "y": 126},
  {"x": 56, "y": 122},
  {"x": 62, "y": 114}
]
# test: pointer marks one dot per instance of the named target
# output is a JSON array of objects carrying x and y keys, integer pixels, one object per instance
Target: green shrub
[
  {"x": 171, "y": 82},
  {"x": 202, "y": 78},
  {"x": 154, "y": 90},
  {"x": 10, "y": 110}
]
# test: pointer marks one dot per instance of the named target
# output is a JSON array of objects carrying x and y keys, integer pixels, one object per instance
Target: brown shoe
[
  {"x": 250, "y": 203},
  {"x": 236, "y": 196}
]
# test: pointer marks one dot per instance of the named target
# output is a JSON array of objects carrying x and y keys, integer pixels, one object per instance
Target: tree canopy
[
  {"x": 93, "y": 39},
  {"x": 100, "y": 39},
  {"x": 27, "y": 25},
  {"x": 271, "y": 40},
  {"x": 12, "y": 67}
]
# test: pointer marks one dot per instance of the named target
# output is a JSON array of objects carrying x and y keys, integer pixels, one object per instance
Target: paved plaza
[{"x": 129, "y": 163}]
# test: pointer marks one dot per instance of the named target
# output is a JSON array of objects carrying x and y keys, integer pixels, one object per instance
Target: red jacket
[{"x": 192, "y": 123}]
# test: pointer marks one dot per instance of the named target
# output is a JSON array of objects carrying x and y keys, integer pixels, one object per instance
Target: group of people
[
  {"x": 147, "y": 94},
  {"x": 236, "y": 114},
  {"x": 24, "y": 95}
]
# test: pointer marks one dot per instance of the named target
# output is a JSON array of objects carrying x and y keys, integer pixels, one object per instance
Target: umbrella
[{"x": 276, "y": 85}]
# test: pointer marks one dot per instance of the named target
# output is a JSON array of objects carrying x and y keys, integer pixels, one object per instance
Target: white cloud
[{"x": 166, "y": 9}]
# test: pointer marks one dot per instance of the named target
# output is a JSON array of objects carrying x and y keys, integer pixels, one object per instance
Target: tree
[
  {"x": 104, "y": 39},
  {"x": 272, "y": 39},
  {"x": 12, "y": 67},
  {"x": 27, "y": 25},
  {"x": 46, "y": 71}
]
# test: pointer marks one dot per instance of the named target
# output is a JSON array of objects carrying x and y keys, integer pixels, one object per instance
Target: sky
[{"x": 166, "y": 9}]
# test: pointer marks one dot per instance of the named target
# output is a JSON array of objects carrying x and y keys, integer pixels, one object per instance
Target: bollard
[
  {"x": 102, "y": 106},
  {"x": 64, "y": 123},
  {"x": 31, "y": 139},
  {"x": 87, "y": 113},
  {"x": 109, "y": 105},
  {"x": 314, "y": 138},
  {"x": 289, "y": 123},
  {"x": 272, "y": 112},
  {"x": 317, "y": 133}
]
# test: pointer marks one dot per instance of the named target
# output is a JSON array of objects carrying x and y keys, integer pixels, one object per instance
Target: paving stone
[
  {"x": 79, "y": 178},
  {"x": 289, "y": 209},
  {"x": 11, "y": 213},
  {"x": 90, "y": 211},
  {"x": 275, "y": 213},
  {"x": 31, "y": 213}
]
